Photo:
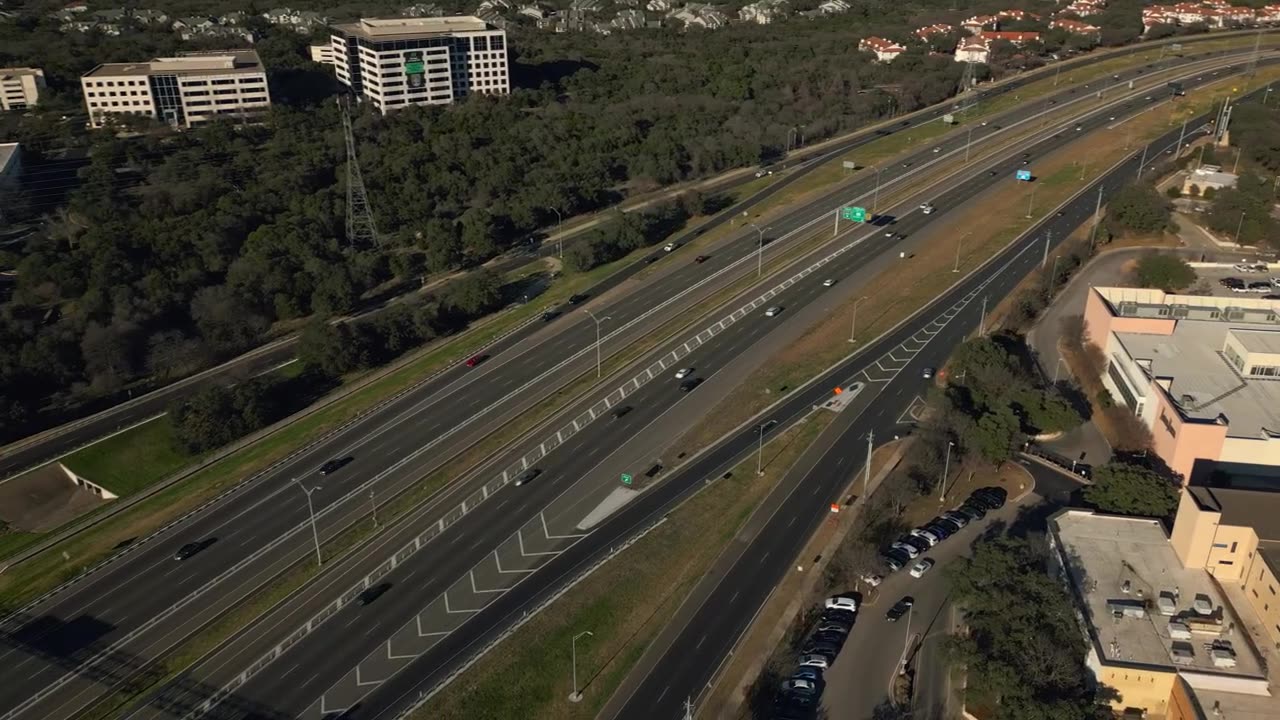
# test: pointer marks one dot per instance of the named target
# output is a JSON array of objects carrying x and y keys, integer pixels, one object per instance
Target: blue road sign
[{"x": 1024, "y": 175}]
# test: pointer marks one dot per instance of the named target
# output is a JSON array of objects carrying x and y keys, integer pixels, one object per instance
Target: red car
[
  {"x": 702, "y": 258},
  {"x": 476, "y": 360}
]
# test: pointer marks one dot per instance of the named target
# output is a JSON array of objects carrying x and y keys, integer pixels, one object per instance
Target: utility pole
[
  {"x": 969, "y": 142},
  {"x": 597, "y": 321},
  {"x": 760, "y": 448},
  {"x": 360, "y": 227},
  {"x": 1048, "y": 235},
  {"x": 1236, "y": 167},
  {"x": 1181, "y": 136},
  {"x": 559, "y": 237},
  {"x": 982, "y": 320},
  {"x": 866, "y": 479},
  {"x": 688, "y": 709},
  {"x": 315, "y": 534},
  {"x": 946, "y": 468},
  {"x": 1143, "y": 161},
  {"x": 875, "y": 198},
  {"x": 1097, "y": 219},
  {"x": 1253, "y": 59},
  {"x": 853, "y": 324},
  {"x": 1031, "y": 201},
  {"x": 1053, "y": 275},
  {"x": 959, "y": 243},
  {"x": 759, "y": 250},
  {"x": 1238, "y": 226}
]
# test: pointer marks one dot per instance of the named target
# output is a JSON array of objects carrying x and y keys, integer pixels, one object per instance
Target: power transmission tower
[
  {"x": 966, "y": 80},
  {"x": 1253, "y": 58},
  {"x": 688, "y": 709},
  {"x": 360, "y": 227}
]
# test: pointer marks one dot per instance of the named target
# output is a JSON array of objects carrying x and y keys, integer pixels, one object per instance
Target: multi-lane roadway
[{"x": 98, "y": 631}]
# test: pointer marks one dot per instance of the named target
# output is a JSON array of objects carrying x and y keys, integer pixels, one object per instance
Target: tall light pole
[
  {"x": 597, "y": 321},
  {"x": 373, "y": 505},
  {"x": 759, "y": 249},
  {"x": 760, "y": 448},
  {"x": 946, "y": 469},
  {"x": 1031, "y": 201},
  {"x": 902, "y": 661},
  {"x": 1143, "y": 161},
  {"x": 1239, "y": 225},
  {"x": 559, "y": 237},
  {"x": 875, "y": 198},
  {"x": 1048, "y": 235},
  {"x": 1053, "y": 274},
  {"x": 959, "y": 243},
  {"x": 315, "y": 534},
  {"x": 576, "y": 695},
  {"x": 967, "y": 143},
  {"x": 853, "y": 324},
  {"x": 1097, "y": 210}
]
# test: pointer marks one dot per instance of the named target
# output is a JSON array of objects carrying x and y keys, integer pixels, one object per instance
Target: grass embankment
[
  {"x": 624, "y": 604},
  {"x": 989, "y": 222},
  {"x": 131, "y": 461}
]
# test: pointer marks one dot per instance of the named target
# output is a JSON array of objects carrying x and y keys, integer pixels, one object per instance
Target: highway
[
  {"x": 56, "y": 442},
  {"x": 98, "y": 633},
  {"x": 290, "y": 685},
  {"x": 686, "y": 666}
]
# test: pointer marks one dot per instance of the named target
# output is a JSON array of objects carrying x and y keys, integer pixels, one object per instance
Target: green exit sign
[
  {"x": 855, "y": 214},
  {"x": 626, "y": 479}
]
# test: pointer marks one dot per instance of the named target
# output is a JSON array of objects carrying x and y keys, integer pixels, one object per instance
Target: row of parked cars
[
  {"x": 798, "y": 697},
  {"x": 1235, "y": 284},
  {"x": 917, "y": 542}
]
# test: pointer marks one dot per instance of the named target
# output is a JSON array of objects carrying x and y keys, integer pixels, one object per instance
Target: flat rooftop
[
  {"x": 8, "y": 151},
  {"x": 13, "y": 72},
  {"x": 1106, "y": 555},
  {"x": 195, "y": 63},
  {"x": 1201, "y": 380},
  {"x": 1257, "y": 509},
  {"x": 413, "y": 28}
]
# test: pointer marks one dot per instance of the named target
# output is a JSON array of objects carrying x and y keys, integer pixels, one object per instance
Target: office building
[
  {"x": 398, "y": 62},
  {"x": 1202, "y": 373},
  {"x": 184, "y": 91},
  {"x": 20, "y": 88},
  {"x": 1167, "y": 639}
]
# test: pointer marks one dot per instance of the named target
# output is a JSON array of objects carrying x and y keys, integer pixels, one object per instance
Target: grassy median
[{"x": 624, "y": 604}]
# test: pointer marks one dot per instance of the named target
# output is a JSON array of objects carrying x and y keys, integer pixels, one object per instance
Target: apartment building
[
  {"x": 20, "y": 88},
  {"x": 184, "y": 91},
  {"x": 397, "y": 62}
]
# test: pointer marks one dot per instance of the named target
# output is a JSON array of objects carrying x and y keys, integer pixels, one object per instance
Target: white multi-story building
[
  {"x": 398, "y": 62},
  {"x": 185, "y": 91},
  {"x": 20, "y": 87}
]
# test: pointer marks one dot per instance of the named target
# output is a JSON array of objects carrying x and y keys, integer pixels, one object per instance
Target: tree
[
  {"x": 332, "y": 349},
  {"x": 1164, "y": 272},
  {"x": 995, "y": 434},
  {"x": 1139, "y": 208},
  {"x": 1046, "y": 411},
  {"x": 1131, "y": 490},
  {"x": 474, "y": 294}
]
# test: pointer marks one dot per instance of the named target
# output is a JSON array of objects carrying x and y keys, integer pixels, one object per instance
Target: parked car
[
  {"x": 812, "y": 674},
  {"x": 899, "y": 609},
  {"x": 841, "y": 602},
  {"x": 955, "y": 517},
  {"x": 919, "y": 569},
  {"x": 1260, "y": 287},
  {"x": 910, "y": 550},
  {"x": 942, "y": 531},
  {"x": 927, "y": 373},
  {"x": 918, "y": 543},
  {"x": 951, "y": 525},
  {"x": 894, "y": 562},
  {"x": 926, "y": 535},
  {"x": 799, "y": 685},
  {"x": 830, "y": 626},
  {"x": 971, "y": 511},
  {"x": 838, "y": 615},
  {"x": 871, "y": 580},
  {"x": 995, "y": 496},
  {"x": 814, "y": 660}
]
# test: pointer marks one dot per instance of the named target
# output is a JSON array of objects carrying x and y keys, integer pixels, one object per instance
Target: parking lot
[{"x": 1243, "y": 280}]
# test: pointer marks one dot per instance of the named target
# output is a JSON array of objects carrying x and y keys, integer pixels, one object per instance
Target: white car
[
  {"x": 912, "y": 551},
  {"x": 841, "y": 602},
  {"x": 669, "y": 247},
  {"x": 872, "y": 580},
  {"x": 937, "y": 149},
  {"x": 683, "y": 373},
  {"x": 799, "y": 685},
  {"x": 773, "y": 311},
  {"x": 919, "y": 569},
  {"x": 926, "y": 536},
  {"x": 832, "y": 281},
  {"x": 927, "y": 209},
  {"x": 814, "y": 661}
]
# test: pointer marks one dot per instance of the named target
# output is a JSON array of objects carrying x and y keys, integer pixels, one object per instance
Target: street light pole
[
  {"x": 576, "y": 695},
  {"x": 1053, "y": 274},
  {"x": 373, "y": 504},
  {"x": 1031, "y": 201},
  {"x": 1097, "y": 210},
  {"x": 853, "y": 324},
  {"x": 946, "y": 468},
  {"x": 1238, "y": 226},
  {"x": 1143, "y": 161},
  {"x": 315, "y": 534},
  {"x": 559, "y": 237},
  {"x": 959, "y": 243},
  {"x": 1045, "y": 260},
  {"x": 969, "y": 142},
  {"x": 759, "y": 250},
  {"x": 875, "y": 198},
  {"x": 597, "y": 321}
]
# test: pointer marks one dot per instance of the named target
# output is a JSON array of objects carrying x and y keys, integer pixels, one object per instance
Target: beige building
[
  {"x": 1170, "y": 640},
  {"x": 398, "y": 62},
  {"x": 322, "y": 54},
  {"x": 20, "y": 88},
  {"x": 1202, "y": 373},
  {"x": 184, "y": 91}
]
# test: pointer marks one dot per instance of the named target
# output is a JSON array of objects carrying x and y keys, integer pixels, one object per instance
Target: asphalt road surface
[
  {"x": 290, "y": 686},
  {"x": 78, "y": 433},
  {"x": 80, "y": 634}
]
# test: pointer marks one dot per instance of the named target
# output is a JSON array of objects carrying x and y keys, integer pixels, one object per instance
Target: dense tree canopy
[
  {"x": 1128, "y": 489},
  {"x": 1164, "y": 272}
]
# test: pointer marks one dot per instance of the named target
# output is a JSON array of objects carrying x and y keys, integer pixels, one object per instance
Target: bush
[{"x": 1164, "y": 272}]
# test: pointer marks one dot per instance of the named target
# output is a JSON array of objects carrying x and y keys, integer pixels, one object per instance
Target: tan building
[
  {"x": 322, "y": 54},
  {"x": 1169, "y": 639},
  {"x": 184, "y": 91},
  {"x": 20, "y": 88},
  {"x": 398, "y": 62},
  {"x": 1202, "y": 373}
]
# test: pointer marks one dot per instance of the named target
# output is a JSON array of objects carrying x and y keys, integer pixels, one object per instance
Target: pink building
[{"x": 1202, "y": 373}]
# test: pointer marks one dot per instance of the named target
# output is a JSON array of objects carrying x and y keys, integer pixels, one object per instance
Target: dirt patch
[{"x": 44, "y": 499}]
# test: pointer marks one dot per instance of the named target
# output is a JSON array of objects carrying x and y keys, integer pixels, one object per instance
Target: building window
[
  {"x": 1225, "y": 562},
  {"x": 1234, "y": 357},
  {"x": 1264, "y": 371},
  {"x": 1220, "y": 545}
]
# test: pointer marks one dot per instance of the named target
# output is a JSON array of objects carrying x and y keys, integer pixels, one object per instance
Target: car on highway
[
  {"x": 701, "y": 259},
  {"x": 475, "y": 360},
  {"x": 527, "y": 476},
  {"x": 191, "y": 549},
  {"x": 909, "y": 550},
  {"x": 814, "y": 661},
  {"x": 919, "y": 569},
  {"x": 373, "y": 593},
  {"x": 766, "y": 427},
  {"x": 899, "y": 609},
  {"x": 927, "y": 535},
  {"x": 841, "y": 602},
  {"x": 670, "y": 246},
  {"x": 828, "y": 282},
  {"x": 927, "y": 373},
  {"x": 621, "y": 410},
  {"x": 773, "y": 311},
  {"x": 683, "y": 373},
  {"x": 927, "y": 208},
  {"x": 575, "y": 299},
  {"x": 937, "y": 149},
  {"x": 690, "y": 384},
  {"x": 334, "y": 465},
  {"x": 550, "y": 315}
]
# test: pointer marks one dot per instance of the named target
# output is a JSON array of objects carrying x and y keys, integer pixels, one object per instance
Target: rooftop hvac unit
[
  {"x": 1202, "y": 605},
  {"x": 1183, "y": 653},
  {"x": 1223, "y": 658},
  {"x": 1179, "y": 631},
  {"x": 1166, "y": 604}
]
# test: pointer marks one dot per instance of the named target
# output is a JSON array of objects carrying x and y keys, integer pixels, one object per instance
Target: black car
[
  {"x": 550, "y": 315},
  {"x": 827, "y": 650},
  {"x": 527, "y": 476},
  {"x": 840, "y": 616},
  {"x": 575, "y": 299},
  {"x": 334, "y": 465},
  {"x": 690, "y": 384},
  {"x": 831, "y": 637},
  {"x": 971, "y": 511},
  {"x": 899, "y": 609},
  {"x": 942, "y": 531},
  {"x": 373, "y": 593},
  {"x": 190, "y": 549},
  {"x": 947, "y": 523},
  {"x": 986, "y": 502},
  {"x": 895, "y": 554},
  {"x": 620, "y": 411},
  {"x": 916, "y": 542},
  {"x": 995, "y": 497}
]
